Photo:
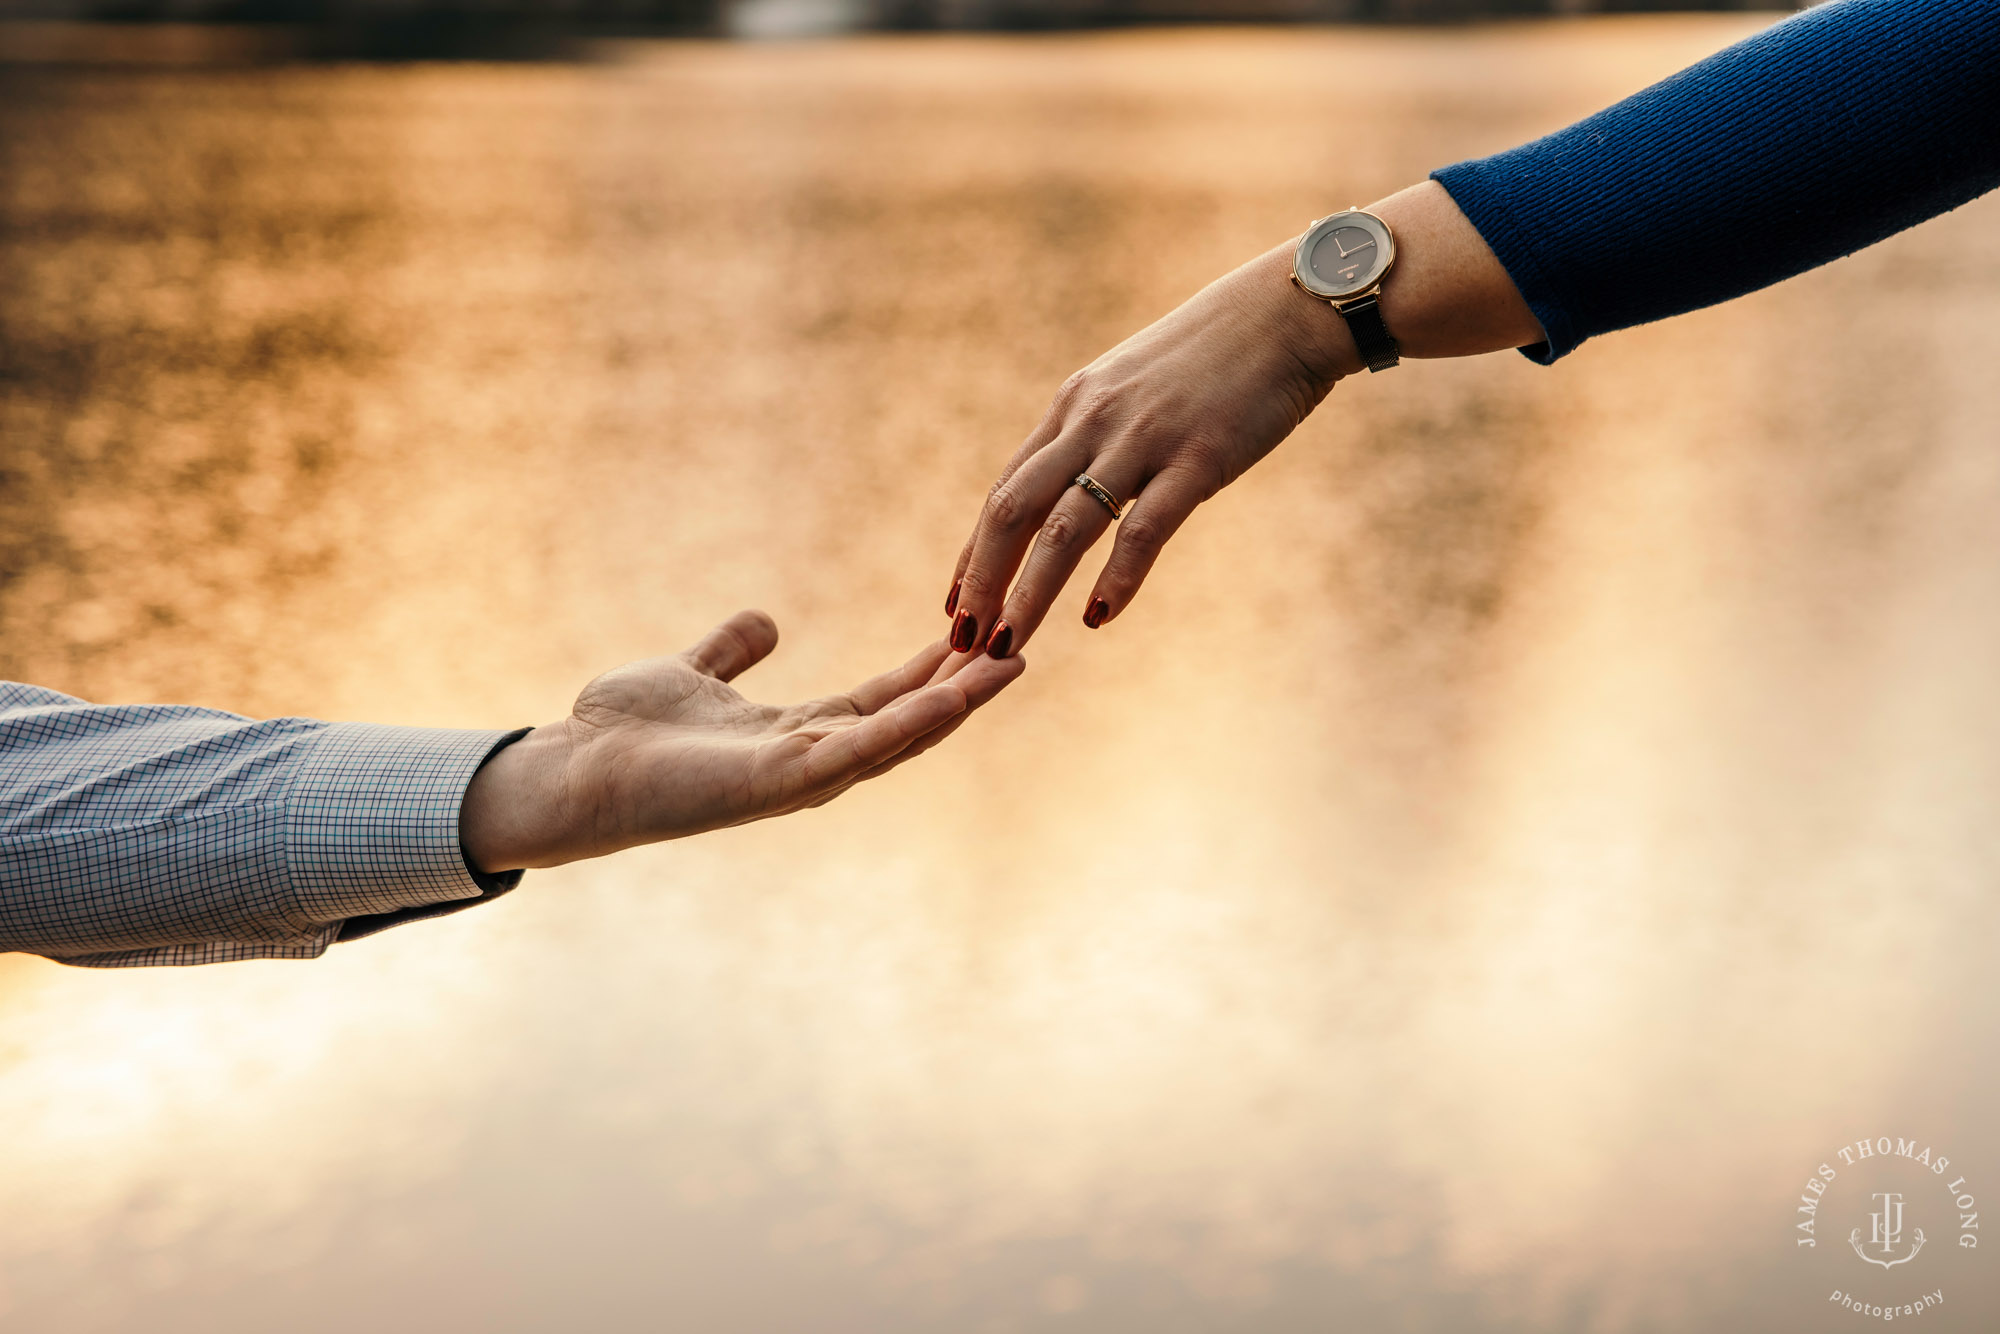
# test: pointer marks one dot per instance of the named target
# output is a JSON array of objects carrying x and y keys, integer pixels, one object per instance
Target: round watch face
[{"x": 1344, "y": 254}]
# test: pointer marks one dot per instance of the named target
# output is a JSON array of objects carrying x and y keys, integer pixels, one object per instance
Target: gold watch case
[{"x": 1344, "y": 257}]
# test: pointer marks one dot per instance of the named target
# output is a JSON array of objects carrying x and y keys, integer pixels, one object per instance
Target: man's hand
[{"x": 664, "y": 748}]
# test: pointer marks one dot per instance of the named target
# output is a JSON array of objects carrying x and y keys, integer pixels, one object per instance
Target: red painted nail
[
  {"x": 1094, "y": 614},
  {"x": 1003, "y": 639},
  {"x": 951, "y": 602},
  {"x": 964, "y": 631}
]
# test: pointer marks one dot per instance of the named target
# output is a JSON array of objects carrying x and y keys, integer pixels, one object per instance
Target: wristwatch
[{"x": 1342, "y": 259}]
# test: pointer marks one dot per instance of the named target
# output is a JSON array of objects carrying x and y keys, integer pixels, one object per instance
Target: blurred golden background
[{"x": 1522, "y": 829}]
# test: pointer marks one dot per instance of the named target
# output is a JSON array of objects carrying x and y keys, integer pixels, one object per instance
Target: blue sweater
[{"x": 1818, "y": 136}]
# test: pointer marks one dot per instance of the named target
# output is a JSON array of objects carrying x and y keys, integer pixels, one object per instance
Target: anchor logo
[{"x": 1887, "y": 1232}]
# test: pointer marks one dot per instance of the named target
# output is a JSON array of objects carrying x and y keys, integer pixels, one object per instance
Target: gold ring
[{"x": 1099, "y": 494}]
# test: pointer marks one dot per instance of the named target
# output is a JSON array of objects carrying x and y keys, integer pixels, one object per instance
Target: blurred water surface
[{"x": 1524, "y": 828}]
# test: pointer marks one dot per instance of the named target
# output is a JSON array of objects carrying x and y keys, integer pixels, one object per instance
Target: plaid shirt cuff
[{"x": 371, "y": 819}]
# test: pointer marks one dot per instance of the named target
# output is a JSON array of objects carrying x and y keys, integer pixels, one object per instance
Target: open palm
[{"x": 666, "y": 747}]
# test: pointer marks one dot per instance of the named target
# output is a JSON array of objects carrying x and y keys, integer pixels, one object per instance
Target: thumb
[{"x": 735, "y": 646}]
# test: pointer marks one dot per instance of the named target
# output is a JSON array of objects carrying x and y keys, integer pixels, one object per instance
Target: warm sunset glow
[{"x": 1523, "y": 828}]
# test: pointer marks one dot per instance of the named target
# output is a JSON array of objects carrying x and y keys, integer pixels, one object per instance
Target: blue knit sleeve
[{"x": 1820, "y": 135}]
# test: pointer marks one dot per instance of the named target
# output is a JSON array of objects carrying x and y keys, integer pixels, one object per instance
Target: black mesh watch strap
[{"x": 1372, "y": 338}]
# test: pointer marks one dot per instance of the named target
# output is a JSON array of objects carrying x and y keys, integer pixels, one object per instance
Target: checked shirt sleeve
[{"x": 163, "y": 834}]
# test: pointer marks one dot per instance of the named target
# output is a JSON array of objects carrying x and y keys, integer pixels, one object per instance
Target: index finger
[
  {"x": 1045, "y": 430},
  {"x": 980, "y": 684},
  {"x": 921, "y": 670},
  {"x": 871, "y": 743},
  {"x": 1014, "y": 513}
]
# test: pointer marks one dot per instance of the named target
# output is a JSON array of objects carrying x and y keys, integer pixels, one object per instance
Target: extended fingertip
[
  {"x": 964, "y": 632},
  {"x": 952, "y": 699},
  {"x": 1096, "y": 613},
  {"x": 1000, "y": 641},
  {"x": 992, "y": 676}
]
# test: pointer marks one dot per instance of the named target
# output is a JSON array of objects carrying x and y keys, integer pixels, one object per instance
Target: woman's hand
[
  {"x": 1181, "y": 409},
  {"x": 1163, "y": 421},
  {"x": 664, "y": 748}
]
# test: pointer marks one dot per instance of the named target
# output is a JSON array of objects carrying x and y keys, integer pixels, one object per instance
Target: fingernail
[
  {"x": 951, "y": 602},
  {"x": 1094, "y": 614},
  {"x": 963, "y": 631},
  {"x": 1003, "y": 639}
]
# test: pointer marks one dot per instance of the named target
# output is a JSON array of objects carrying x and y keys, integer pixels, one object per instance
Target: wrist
[
  {"x": 1309, "y": 329},
  {"x": 1446, "y": 295},
  {"x": 515, "y": 814}
]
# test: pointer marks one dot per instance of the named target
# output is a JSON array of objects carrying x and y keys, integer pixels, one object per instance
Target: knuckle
[
  {"x": 977, "y": 586},
  {"x": 1206, "y": 463},
  {"x": 1148, "y": 423},
  {"x": 1142, "y": 535},
  {"x": 1060, "y": 531},
  {"x": 1006, "y": 507},
  {"x": 1094, "y": 408},
  {"x": 1072, "y": 389}
]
